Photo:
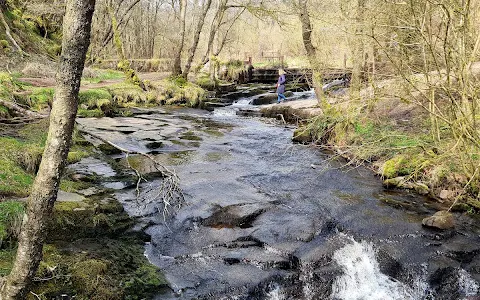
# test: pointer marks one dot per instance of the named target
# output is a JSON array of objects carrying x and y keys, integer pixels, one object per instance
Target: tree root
[{"x": 169, "y": 193}]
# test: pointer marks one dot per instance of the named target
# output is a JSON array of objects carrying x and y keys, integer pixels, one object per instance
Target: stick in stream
[{"x": 169, "y": 192}]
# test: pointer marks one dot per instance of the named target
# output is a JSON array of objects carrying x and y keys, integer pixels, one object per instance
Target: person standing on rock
[{"x": 281, "y": 85}]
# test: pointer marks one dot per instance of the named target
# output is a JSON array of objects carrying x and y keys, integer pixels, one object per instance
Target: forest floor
[{"x": 86, "y": 85}]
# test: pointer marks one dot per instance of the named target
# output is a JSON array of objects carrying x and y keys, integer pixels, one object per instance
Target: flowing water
[{"x": 268, "y": 219}]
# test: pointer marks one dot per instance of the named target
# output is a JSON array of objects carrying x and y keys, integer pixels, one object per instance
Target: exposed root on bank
[{"x": 168, "y": 193}]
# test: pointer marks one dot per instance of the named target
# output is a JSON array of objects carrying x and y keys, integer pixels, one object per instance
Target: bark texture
[
  {"x": 311, "y": 50},
  {"x": 217, "y": 22},
  {"x": 76, "y": 39},
  {"x": 358, "y": 54},
  {"x": 177, "y": 64},
  {"x": 196, "y": 38}
]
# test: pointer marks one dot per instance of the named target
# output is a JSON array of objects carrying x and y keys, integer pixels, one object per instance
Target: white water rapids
[{"x": 362, "y": 279}]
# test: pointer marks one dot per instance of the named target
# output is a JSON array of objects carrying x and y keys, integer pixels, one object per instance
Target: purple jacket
[{"x": 281, "y": 84}]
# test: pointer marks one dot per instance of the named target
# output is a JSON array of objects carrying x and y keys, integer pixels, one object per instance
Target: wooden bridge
[{"x": 297, "y": 75}]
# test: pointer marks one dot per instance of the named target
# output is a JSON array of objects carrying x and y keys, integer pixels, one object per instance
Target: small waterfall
[
  {"x": 467, "y": 285},
  {"x": 362, "y": 278},
  {"x": 275, "y": 294}
]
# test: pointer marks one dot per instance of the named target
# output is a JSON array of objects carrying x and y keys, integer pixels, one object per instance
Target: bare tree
[
  {"x": 177, "y": 64},
  {"x": 310, "y": 49},
  {"x": 196, "y": 38},
  {"x": 76, "y": 40}
]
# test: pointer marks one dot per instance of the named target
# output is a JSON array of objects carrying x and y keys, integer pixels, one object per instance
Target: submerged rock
[{"x": 441, "y": 220}]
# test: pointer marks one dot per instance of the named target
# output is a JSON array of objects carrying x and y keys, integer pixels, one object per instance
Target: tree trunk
[
  {"x": 311, "y": 51},
  {"x": 358, "y": 54},
  {"x": 177, "y": 64},
  {"x": 196, "y": 38},
  {"x": 217, "y": 21},
  {"x": 76, "y": 39}
]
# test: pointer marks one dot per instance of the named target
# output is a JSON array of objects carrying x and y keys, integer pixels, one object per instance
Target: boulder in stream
[{"x": 441, "y": 220}]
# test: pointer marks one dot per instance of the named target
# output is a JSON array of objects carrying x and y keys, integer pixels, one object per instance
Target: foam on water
[{"x": 362, "y": 278}]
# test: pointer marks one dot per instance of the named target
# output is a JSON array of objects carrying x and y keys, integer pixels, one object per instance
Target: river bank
[
  {"x": 267, "y": 219},
  {"x": 390, "y": 137}
]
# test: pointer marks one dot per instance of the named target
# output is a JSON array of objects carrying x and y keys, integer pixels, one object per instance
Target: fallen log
[{"x": 21, "y": 110}]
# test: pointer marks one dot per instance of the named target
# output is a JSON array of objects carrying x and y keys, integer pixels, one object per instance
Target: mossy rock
[
  {"x": 73, "y": 220},
  {"x": 97, "y": 269},
  {"x": 302, "y": 136}
]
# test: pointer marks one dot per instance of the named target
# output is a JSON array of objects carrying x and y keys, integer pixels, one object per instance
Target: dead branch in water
[{"x": 169, "y": 192}]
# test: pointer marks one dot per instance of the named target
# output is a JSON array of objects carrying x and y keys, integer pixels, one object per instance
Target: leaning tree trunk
[
  {"x": 311, "y": 51},
  {"x": 76, "y": 39},
  {"x": 217, "y": 22},
  {"x": 196, "y": 38},
  {"x": 177, "y": 64}
]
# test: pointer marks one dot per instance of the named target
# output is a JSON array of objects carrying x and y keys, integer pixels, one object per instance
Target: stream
[{"x": 268, "y": 219}]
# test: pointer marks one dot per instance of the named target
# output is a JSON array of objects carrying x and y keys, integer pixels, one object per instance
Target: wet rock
[
  {"x": 461, "y": 250},
  {"x": 446, "y": 194},
  {"x": 210, "y": 106},
  {"x": 451, "y": 283},
  {"x": 421, "y": 188},
  {"x": 389, "y": 265},
  {"x": 235, "y": 216},
  {"x": 265, "y": 99},
  {"x": 249, "y": 112},
  {"x": 401, "y": 182},
  {"x": 302, "y": 136},
  {"x": 69, "y": 197},
  {"x": 90, "y": 169},
  {"x": 228, "y": 87},
  {"x": 440, "y": 220},
  {"x": 394, "y": 182}
]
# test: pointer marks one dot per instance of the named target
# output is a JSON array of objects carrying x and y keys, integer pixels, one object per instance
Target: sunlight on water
[{"x": 362, "y": 278}]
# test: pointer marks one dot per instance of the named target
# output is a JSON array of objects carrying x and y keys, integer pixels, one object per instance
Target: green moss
[
  {"x": 214, "y": 132},
  {"x": 391, "y": 167},
  {"x": 190, "y": 135},
  {"x": 14, "y": 180},
  {"x": 72, "y": 186},
  {"x": 11, "y": 214},
  {"x": 126, "y": 93},
  {"x": 7, "y": 257},
  {"x": 76, "y": 156},
  {"x": 87, "y": 113},
  {"x": 93, "y": 96},
  {"x": 4, "y": 44},
  {"x": 40, "y": 98},
  {"x": 98, "y": 269}
]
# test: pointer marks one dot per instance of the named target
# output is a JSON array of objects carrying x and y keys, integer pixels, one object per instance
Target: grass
[
  {"x": 14, "y": 180},
  {"x": 100, "y": 75},
  {"x": 40, "y": 98},
  {"x": 11, "y": 214}
]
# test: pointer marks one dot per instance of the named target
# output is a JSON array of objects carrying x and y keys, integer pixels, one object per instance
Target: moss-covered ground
[{"x": 91, "y": 252}]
